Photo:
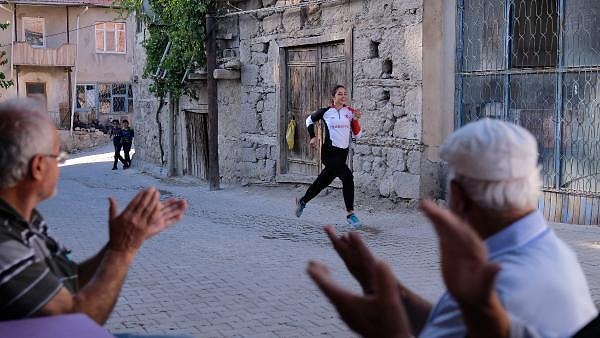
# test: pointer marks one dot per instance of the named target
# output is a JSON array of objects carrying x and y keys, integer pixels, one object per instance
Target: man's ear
[
  {"x": 459, "y": 202},
  {"x": 36, "y": 167}
]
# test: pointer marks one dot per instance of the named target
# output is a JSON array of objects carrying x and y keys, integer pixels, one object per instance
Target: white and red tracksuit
[{"x": 334, "y": 152}]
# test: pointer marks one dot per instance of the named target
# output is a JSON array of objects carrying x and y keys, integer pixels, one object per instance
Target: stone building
[
  {"x": 280, "y": 60},
  {"x": 417, "y": 69}
]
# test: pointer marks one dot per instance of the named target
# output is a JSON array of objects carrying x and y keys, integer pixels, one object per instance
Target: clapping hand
[
  {"x": 355, "y": 254},
  {"x": 379, "y": 314},
  {"x": 144, "y": 217}
]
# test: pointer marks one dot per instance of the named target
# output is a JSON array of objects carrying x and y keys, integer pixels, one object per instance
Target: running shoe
[
  {"x": 353, "y": 221},
  {"x": 299, "y": 207}
]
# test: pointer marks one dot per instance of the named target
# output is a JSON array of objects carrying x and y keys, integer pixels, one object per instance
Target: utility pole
[
  {"x": 213, "y": 108},
  {"x": 171, "y": 133}
]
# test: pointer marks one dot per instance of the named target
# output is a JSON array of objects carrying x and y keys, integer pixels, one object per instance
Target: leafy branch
[
  {"x": 4, "y": 83},
  {"x": 181, "y": 22},
  {"x": 181, "y": 25}
]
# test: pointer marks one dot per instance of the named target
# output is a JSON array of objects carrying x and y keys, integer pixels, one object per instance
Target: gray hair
[
  {"x": 24, "y": 131},
  {"x": 516, "y": 194}
]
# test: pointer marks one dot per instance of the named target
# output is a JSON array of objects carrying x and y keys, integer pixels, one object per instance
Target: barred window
[
  {"x": 536, "y": 63},
  {"x": 115, "y": 98},
  {"x": 110, "y": 37}
]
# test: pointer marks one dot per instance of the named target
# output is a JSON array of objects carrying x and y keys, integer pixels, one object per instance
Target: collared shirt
[
  {"x": 33, "y": 266},
  {"x": 519, "y": 329},
  {"x": 541, "y": 282}
]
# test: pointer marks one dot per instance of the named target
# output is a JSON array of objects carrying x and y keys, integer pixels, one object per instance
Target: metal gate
[{"x": 537, "y": 63}]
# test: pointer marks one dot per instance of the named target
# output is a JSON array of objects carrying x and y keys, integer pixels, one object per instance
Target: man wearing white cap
[{"x": 493, "y": 185}]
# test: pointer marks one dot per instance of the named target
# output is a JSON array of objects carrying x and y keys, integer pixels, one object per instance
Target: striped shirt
[{"x": 33, "y": 266}]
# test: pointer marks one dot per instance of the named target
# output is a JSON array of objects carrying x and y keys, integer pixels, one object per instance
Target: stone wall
[
  {"x": 387, "y": 87},
  {"x": 145, "y": 105},
  {"x": 387, "y": 54},
  {"x": 81, "y": 140}
]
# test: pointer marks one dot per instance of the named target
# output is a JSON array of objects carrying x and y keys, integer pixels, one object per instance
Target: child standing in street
[
  {"x": 126, "y": 141},
  {"x": 115, "y": 133}
]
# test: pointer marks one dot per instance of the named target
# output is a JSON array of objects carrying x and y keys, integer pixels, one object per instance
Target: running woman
[{"x": 340, "y": 120}]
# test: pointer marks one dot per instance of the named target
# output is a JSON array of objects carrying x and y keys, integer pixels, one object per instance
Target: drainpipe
[
  {"x": 12, "y": 41},
  {"x": 74, "y": 92}
]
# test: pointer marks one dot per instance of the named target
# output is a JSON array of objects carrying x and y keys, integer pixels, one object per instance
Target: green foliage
[
  {"x": 182, "y": 22},
  {"x": 4, "y": 83}
]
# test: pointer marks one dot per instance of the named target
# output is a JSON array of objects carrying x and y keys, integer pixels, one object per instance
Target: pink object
[{"x": 63, "y": 326}]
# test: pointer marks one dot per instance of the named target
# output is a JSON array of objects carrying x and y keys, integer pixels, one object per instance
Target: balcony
[{"x": 25, "y": 55}]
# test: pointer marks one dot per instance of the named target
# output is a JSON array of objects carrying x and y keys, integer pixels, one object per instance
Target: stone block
[
  {"x": 261, "y": 152},
  {"x": 259, "y": 58},
  {"x": 395, "y": 159},
  {"x": 413, "y": 37},
  {"x": 366, "y": 166},
  {"x": 245, "y": 54},
  {"x": 378, "y": 167},
  {"x": 232, "y": 63},
  {"x": 267, "y": 172},
  {"x": 249, "y": 75},
  {"x": 292, "y": 20},
  {"x": 271, "y": 23},
  {"x": 403, "y": 5},
  {"x": 249, "y": 155},
  {"x": 388, "y": 125},
  {"x": 257, "y": 47},
  {"x": 413, "y": 162},
  {"x": 269, "y": 114},
  {"x": 372, "y": 68},
  {"x": 266, "y": 73},
  {"x": 225, "y": 74},
  {"x": 407, "y": 128},
  {"x": 376, "y": 151},
  {"x": 364, "y": 180},
  {"x": 386, "y": 186},
  {"x": 248, "y": 121},
  {"x": 397, "y": 96},
  {"x": 413, "y": 102},
  {"x": 362, "y": 48},
  {"x": 362, "y": 149},
  {"x": 407, "y": 185},
  {"x": 356, "y": 8},
  {"x": 249, "y": 27}
]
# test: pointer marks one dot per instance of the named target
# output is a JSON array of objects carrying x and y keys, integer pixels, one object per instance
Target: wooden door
[
  {"x": 197, "y": 144},
  {"x": 302, "y": 99},
  {"x": 312, "y": 71}
]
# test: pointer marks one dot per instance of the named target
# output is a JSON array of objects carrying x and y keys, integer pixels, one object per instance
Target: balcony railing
[{"x": 25, "y": 55}]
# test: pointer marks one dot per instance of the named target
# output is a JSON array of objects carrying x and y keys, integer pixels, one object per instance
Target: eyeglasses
[{"x": 61, "y": 158}]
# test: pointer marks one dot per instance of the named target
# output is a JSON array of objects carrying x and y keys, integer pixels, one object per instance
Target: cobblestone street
[{"x": 235, "y": 266}]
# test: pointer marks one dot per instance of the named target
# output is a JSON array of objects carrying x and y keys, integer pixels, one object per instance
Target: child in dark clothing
[
  {"x": 126, "y": 140},
  {"x": 115, "y": 133}
]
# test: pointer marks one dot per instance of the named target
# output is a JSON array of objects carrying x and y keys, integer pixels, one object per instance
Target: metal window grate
[{"x": 536, "y": 63}]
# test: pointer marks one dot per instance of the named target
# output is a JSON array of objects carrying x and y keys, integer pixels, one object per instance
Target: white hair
[
  {"x": 516, "y": 194},
  {"x": 24, "y": 131}
]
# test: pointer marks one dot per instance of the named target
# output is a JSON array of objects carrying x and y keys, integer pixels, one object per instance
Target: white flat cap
[{"x": 491, "y": 150}]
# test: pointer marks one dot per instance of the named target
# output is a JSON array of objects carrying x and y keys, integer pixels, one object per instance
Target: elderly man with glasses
[{"x": 37, "y": 277}]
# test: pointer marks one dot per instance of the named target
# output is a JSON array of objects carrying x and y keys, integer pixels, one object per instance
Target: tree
[{"x": 182, "y": 23}]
